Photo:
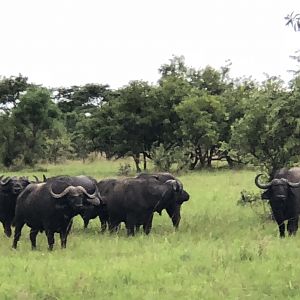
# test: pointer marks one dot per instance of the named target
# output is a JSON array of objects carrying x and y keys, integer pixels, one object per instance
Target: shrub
[{"x": 124, "y": 169}]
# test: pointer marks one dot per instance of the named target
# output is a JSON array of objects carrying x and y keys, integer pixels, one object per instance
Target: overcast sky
[{"x": 74, "y": 42}]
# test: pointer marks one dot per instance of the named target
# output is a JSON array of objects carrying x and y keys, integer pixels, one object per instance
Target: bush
[
  {"x": 164, "y": 159},
  {"x": 124, "y": 169},
  {"x": 18, "y": 164},
  {"x": 258, "y": 205}
]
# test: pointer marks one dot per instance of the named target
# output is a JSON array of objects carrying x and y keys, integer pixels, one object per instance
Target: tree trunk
[
  {"x": 229, "y": 161},
  {"x": 202, "y": 159},
  {"x": 145, "y": 161},
  {"x": 209, "y": 156},
  {"x": 136, "y": 158}
]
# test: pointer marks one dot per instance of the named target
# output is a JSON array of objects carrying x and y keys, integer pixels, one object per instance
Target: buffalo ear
[{"x": 266, "y": 195}]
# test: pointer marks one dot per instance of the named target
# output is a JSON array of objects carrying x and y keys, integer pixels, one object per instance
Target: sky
[{"x": 75, "y": 42}]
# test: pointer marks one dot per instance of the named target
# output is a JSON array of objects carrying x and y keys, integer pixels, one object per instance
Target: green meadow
[{"x": 221, "y": 250}]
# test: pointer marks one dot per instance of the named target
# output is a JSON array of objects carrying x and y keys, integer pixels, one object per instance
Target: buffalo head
[
  {"x": 76, "y": 196},
  {"x": 180, "y": 194},
  {"x": 14, "y": 185},
  {"x": 277, "y": 189}
]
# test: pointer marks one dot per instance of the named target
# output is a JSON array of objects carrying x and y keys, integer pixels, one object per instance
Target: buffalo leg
[
  {"x": 137, "y": 228},
  {"x": 63, "y": 239},
  {"x": 32, "y": 235},
  {"x": 292, "y": 226},
  {"x": 148, "y": 225},
  {"x": 130, "y": 224},
  {"x": 7, "y": 229},
  {"x": 50, "y": 237},
  {"x": 103, "y": 222},
  {"x": 113, "y": 224},
  {"x": 69, "y": 227},
  {"x": 281, "y": 227},
  {"x": 113, "y": 227},
  {"x": 17, "y": 235},
  {"x": 64, "y": 235},
  {"x": 174, "y": 214},
  {"x": 86, "y": 223}
]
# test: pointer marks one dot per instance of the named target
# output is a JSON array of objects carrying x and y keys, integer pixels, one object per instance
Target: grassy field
[{"x": 220, "y": 251}]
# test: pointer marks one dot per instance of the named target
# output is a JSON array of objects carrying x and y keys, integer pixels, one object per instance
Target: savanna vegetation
[
  {"x": 220, "y": 250},
  {"x": 189, "y": 119}
]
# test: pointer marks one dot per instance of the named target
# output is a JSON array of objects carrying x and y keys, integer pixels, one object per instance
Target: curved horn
[
  {"x": 294, "y": 184},
  {"x": 36, "y": 178},
  {"x": 173, "y": 183},
  {"x": 92, "y": 198},
  {"x": 44, "y": 178},
  {"x": 180, "y": 185},
  {"x": 260, "y": 185},
  {"x": 63, "y": 193},
  {"x": 5, "y": 180}
]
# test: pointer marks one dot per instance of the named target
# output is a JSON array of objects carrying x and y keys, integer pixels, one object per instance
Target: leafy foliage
[
  {"x": 293, "y": 20},
  {"x": 268, "y": 133},
  {"x": 189, "y": 119}
]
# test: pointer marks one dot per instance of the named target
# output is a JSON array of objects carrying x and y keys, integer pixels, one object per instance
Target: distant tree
[
  {"x": 203, "y": 117},
  {"x": 9, "y": 149},
  {"x": 173, "y": 87},
  {"x": 10, "y": 91},
  {"x": 269, "y": 132},
  {"x": 33, "y": 118},
  {"x": 176, "y": 68},
  {"x": 57, "y": 145},
  {"x": 236, "y": 98},
  {"x": 81, "y": 98},
  {"x": 137, "y": 121},
  {"x": 293, "y": 20}
]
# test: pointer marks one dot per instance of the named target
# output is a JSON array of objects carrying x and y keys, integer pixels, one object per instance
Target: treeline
[{"x": 190, "y": 118}]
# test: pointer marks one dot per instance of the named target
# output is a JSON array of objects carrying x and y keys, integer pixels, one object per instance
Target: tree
[
  {"x": 9, "y": 148},
  {"x": 130, "y": 123},
  {"x": 202, "y": 121},
  {"x": 293, "y": 20},
  {"x": 269, "y": 132},
  {"x": 81, "y": 98},
  {"x": 33, "y": 118},
  {"x": 10, "y": 91}
]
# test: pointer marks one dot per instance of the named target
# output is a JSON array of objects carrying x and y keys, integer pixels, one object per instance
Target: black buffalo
[
  {"x": 105, "y": 186},
  {"x": 134, "y": 201},
  {"x": 10, "y": 188},
  {"x": 283, "y": 194},
  {"x": 173, "y": 209},
  {"x": 50, "y": 207}
]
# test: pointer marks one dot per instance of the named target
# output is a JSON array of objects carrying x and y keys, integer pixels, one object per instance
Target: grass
[{"x": 220, "y": 251}]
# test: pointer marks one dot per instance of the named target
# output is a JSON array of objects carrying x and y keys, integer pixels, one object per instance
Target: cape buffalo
[
  {"x": 10, "y": 188},
  {"x": 283, "y": 194},
  {"x": 105, "y": 186},
  {"x": 50, "y": 206},
  {"x": 174, "y": 208},
  {"x": 134, "y": 200}
]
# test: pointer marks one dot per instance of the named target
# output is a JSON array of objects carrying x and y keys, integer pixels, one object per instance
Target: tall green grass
[{"x": 220, "y": 251}]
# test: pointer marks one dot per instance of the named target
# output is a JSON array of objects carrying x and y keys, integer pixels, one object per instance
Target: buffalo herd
[{"x": 50, "y": 205}]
